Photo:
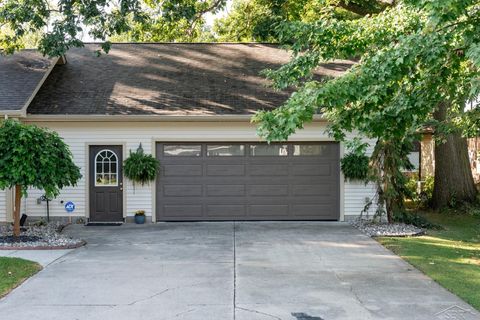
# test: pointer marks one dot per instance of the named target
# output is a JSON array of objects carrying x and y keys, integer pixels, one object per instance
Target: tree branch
[{"x": 364, "y": 8}]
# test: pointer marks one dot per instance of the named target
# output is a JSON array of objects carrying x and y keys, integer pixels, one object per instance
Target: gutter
[{"x": 145, "y": 118}]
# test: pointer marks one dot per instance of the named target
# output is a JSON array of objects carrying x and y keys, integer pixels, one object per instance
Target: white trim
[
  {"x": 146, "y": 118},
  {"x": 342, "y": 184},
  {"x": 153, "y": 217}
]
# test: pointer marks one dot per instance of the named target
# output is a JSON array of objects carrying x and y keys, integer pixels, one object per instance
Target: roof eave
[{"x": 146, "y": 118}]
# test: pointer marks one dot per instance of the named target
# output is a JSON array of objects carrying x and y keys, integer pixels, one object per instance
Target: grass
[
  {"x": 450, "y": 256},
  {"x": 13, "y": 271}
]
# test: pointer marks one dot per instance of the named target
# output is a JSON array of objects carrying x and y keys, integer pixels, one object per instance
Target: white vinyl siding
[
  {"x": 3, "y": 205},
  {"x": 129, "y": 134}
]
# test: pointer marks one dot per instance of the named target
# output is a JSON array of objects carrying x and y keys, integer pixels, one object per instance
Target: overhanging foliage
[{"x": 35, "y": 157}]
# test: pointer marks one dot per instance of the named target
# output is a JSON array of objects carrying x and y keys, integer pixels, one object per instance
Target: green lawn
[
  {"x": 13, "y": 271},
  {"x": 450, "y": 256}
]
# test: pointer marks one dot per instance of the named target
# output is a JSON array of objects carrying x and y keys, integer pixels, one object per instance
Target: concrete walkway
[
  {"x": 223, "y": 271},
  {"x": 43, "y": 257}
]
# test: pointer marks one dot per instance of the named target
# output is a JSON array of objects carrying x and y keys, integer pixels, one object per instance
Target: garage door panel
[
  {"x": 226, "y": 170},
  {"x": 175, "y": 170},
  {"x": 314, "y": 190},
  {"x": 182, "y": 190},
  {"x": 268, "y": 190},
  {"x": 181, "y": 211},
  {"x": 225, "y": 190},
  {"x": 312, "y": 170},
  {"x": 268, "y": 210},
  {"x": 313, "y": 210},
  {"x": 226, "y": 211},
  {"x": 268, "y": 169},
  {"x": 270, "y": 185},
  {"x": 315, "y": 199}
]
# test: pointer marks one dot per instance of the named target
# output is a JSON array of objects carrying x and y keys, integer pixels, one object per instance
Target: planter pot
[{"x": 139, "y": 219}]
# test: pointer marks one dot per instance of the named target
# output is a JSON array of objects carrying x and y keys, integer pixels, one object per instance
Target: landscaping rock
[
  {"x": 33, "y": 236},
  {"x": 383, "y": 229}
]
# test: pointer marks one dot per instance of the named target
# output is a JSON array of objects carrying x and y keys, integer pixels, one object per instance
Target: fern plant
[
  {"x": 140, "y": 167},
  {"x": 355, "y": 164}
]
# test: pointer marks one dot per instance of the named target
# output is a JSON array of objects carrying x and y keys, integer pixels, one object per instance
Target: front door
[{"x": 106, "y": 184}]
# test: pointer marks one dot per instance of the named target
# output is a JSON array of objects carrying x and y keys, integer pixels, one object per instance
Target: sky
[{"x": 209, "y": 17}]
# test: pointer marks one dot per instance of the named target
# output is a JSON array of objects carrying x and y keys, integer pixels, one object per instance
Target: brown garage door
[{"x": 248, "y": 181}]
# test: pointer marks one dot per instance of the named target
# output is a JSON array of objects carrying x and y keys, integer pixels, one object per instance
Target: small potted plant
[{"x": 140, "y": 216}]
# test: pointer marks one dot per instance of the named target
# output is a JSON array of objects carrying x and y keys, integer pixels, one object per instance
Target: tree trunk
[
  {"x": 16, "y": 211},
  {"x": 453, "y": 175}
]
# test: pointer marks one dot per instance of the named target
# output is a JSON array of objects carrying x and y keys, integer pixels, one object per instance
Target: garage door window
[
  {"x": 258, "y": 150},
  {"x": 225, "y": 150},
  {"x": 188, "y": 150},
  {"x": 309, "y": 150}
]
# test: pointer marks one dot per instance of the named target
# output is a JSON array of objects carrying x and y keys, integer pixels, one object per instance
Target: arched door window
[{"x": 106, "y": 169}]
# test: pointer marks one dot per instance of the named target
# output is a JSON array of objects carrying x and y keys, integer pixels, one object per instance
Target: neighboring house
[
  {"x": 426, "y": 154},
  {"x": 190, "y": 105},
  {"x": 474, "y": 156}
]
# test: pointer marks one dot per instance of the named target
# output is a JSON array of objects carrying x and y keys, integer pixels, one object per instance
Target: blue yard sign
[{"x": 69, "y": 206}]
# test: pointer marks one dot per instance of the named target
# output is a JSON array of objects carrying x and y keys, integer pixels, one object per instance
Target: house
[{"x": 190, "y": 105}]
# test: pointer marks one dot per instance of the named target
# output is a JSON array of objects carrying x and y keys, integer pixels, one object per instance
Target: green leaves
[
  {"x": 35, "y": 157},
  {"x": 140, "y": 167},
  {"x": 61, "y": 23},
  {"x": 414, "y": 57}
]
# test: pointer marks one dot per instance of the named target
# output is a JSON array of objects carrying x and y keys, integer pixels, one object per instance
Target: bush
[
  {"x": 421, "y": 198},
  {"x": 414, "y": 219}
]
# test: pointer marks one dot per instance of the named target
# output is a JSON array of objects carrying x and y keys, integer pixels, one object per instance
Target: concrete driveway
[{"x": 220, "y": 271}]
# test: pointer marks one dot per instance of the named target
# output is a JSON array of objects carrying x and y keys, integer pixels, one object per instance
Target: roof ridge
[{"x": 189, "y": 43}]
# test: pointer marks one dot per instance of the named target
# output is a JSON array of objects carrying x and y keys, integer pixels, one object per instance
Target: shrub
[
  {"x": 421, "y": 198},
  {"x": 414, "y": 219}
]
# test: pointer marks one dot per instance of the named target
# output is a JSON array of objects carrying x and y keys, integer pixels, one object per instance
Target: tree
[
  {"x": 256, "y": 20},
  {"x": 33, "y": 157},
  {"x": 62, "y": 23},
  {"x": 416, "y": 57}
]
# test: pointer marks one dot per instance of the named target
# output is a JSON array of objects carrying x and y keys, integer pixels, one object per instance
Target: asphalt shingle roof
[
  {"x": 20, "y": 74},
  {"x": 166, "y": 79}
]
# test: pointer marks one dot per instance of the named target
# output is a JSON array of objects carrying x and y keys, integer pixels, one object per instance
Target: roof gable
[{"x": 21, "y": 75}]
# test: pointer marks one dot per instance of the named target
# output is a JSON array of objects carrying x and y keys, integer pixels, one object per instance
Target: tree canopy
[
  {"x": 54, "y": 26},
  {"x": 34, "y": 157},
  {"x": 415, "y": 58},
  {"x": 63, "y": 23}
]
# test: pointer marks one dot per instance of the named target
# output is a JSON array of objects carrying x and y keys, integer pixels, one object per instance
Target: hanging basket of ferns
[{"x": 140, "y": 168}]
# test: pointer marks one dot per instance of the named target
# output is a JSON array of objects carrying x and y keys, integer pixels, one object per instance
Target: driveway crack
[
  {"x": 149, "y": 297},
  {"x": 259, "y": 312}
]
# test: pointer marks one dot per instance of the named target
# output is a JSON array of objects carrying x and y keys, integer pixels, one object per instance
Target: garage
[{"x": 248, "y": 181}]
